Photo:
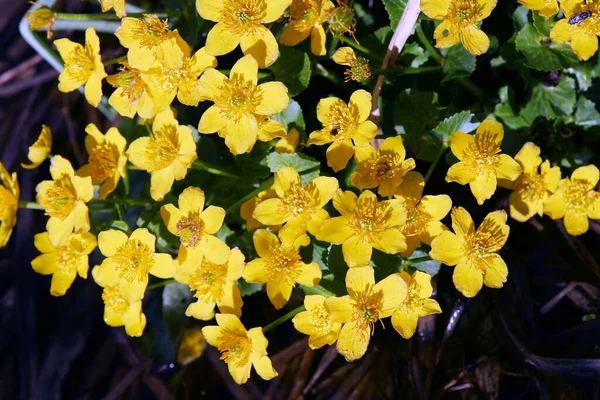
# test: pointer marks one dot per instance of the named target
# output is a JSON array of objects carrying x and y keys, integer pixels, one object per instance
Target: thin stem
[
  {"x": 160, "y": 284},
  {"x": 428, "y": 46},
  {"x": 129, "y": 201},
  {"x": 115, "y": 60},
  {"x": 283, "y": 318},
  {"x": 213, "y": 169},
  {"x": 335, "y": 79},
  {"x": 111, "y": 16},
  {"x": 435, "y": 162},
  {"x": 32, "y": 205},
  {"x": 264, "y": 186},
  {"x": 419, "y": 259},
  {"x": 352, "y": 43},
  {"x": 406, "y": 70}
]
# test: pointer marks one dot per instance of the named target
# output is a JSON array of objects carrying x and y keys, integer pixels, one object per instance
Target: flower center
[
  {"x": 208, "y": 281},
  {"x": 297, "y": 200},
  {"x": 342, "y": 120},
  {"x": 320, "y": 320},
  {"x": 383, "y": 167},
  {"x": 488, "y": 239},
  {"x": 190, "y": 229},
  {"x": 238, "y": 97},
  {"x": 162, "y": 148},
  {"x": 67, "y": 258},
  {"x": 60, "y": 198},
  {"x": 580, "y": 197},
  {"x": 532, "y": 187},
  {"x": 79, "y": 64},
  {"x": 113, "y": 300},
  {"x": 416, "y": 220},
  {"x": 284, "y": 263},
  {"x": 465, "y": 12},
  {"x": 133, "y": 261},
  {"x": 370, "y": 217},
  {"x": 342, "y": 21},
  {"x": 243, "y": 16},
  {"x": 150, "y": 32},
  {"x": 235, "y": 348},
  {"x": 305, "y": 13},
  {"x": 103, "y": 161},
  {"x": 131, "y": 84},
  {"x": 7, "y": 199},
  {"x": 481, "y": 154},
  {"x": 366, "y": 311}
]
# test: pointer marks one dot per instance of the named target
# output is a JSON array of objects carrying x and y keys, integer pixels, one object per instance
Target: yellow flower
[
  {"x": 240, "y": 349},
  {"x": 385, "y": 168},
  {"x": 247, "y": 209},
  {"x": 580, "y": 32},
  {"x": 129, "y": 261},
  {"x": 473, "y": 252},
  {"x": 459, "y": 22},
  {"x": 63, "y": 262},
  {"x": 364, "y": 224},
  {"x": 131, "y": 93},
  {"x": 83, "y": 65},
  {"x": 64, "y": 199},
  {"x": 423, "y": 214},
  {"x": 240, "y": 104},
  {"x": 196, "y": 230},
  {"x": 240, "y": 22},
  {"x": 417, "y": 303},
  {"x": 117, "y": 312},
  {"x": 316, "y": 323},
  {"x": 40, "y": 18},
  {"x": 364, "y": 305},
  {"x": 299, "y": 208},
  {"x": 531, "y": 189},
  {"x": 40, "y": 149},
  {"x": 181, "y": 78},
  {"x": 106, "y": 162},
  {"x": 359, "y": 70},
  {"x": 547, "y": 8},
  {"x": 288, "y": 143},
  {"x": 344, "y": 124},
  {"x": 168, "y": 154},
  {"x": 9, "y": 204},
  {"x": 306, "y": 19},
  {"x": 576, "y": 200},
  {"x": 215, "y": 284},
  {"x": 280, "y": 266},
  {"x": 480, "y": 164},
  {"x": 149, "y": 39},
  {"x": 118, "y": 5}
]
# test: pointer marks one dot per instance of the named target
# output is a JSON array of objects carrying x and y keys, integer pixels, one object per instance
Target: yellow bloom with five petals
[
  {"x": 117, "y": 5},
  {"x": 546, "y": 8},
  {"x": 364, "y": 224},
  {"x": 240, "y": 349},
  {"x": 423, "y": 213},
  {"x": 299, "y": 208},
  {"x": 131, "y": 93},
  {"x": 364, "y": 305},
  {"x": 384, "y": 168},
  {"x": 280, "y": 266},
  {"x": 582, "y": 35},
  {"x": 9, "y": 204},
  {"x": 128, "y": 262},
  {"x": 306, "y": 19},
  {"x": 576, "y": 200},
  {"x": 195, "y": 227},
  {"x": 346, "y": 126},
  {"x": 417, "y": 303},
  {"x": 317, "y": 323},
  {"x": 40, "y": 149},
  {"x": 83, "y": 66},
  {"x": 532, "y": 188},
  {"x": 215, "y": 285},
  {"x": 241, "y": 105},
  {"x": 64, "y": 199},
  {"x": 167, "y": 154},
  {"x": 117, "y": 312},
  {"x": 459, "y": 22},
  {"x": 474, "y": 252},
  {"x": 106, "y": 158},
  {"x": 241, "y": 23},
  {"x": 63, "y": 262},
  {"x": 480, "y": 163}
]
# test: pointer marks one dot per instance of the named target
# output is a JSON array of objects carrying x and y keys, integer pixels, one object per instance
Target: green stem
[
  {"x": 160, "y": 284},
  {"x": 317, "y": 289},
  {"x": 419, "y": 260},
  {"x": 129, "y": 201},
  {"x": 406, "y": 70},
  {"x": 283, "y": 318},
  {"x": 435, "y": 162},
  {"x": 213, "y": 169},
  {"x": 352, "y": 43},
  {"x": 335, "y": 79},
  {"x": 428, "y": 46},
  {"x": 32, "y": 205},
  {"x": 112, "y": 16},
  {"x": 114, "y": 60},
  {"x": 264, "y": 186}
]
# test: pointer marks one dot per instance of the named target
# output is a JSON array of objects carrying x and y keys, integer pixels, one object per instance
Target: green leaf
[
  {"x": 506, "y": 112},
  {"x": 520, "y": 17},
  {"x": 190, "y": 22},
  {"x": 544, "y": 55},
  {"x": 420, "y": 55},
  {"x": 458, "y": 122},
  {"x": 430, "y": 267},
  {"x": 586, "y": 115},
  {"x": 291, "y": 117},
  {"x": 176, "y": 297},
  {"x": 119, "y": 225},
  {"x": 293, "y": 69},
  {"x": 299, "y": 162},
  {"x": 542, "y": 24},
  {"x": 550, "y": 101},
  {"x": 248, "y": 289},
  {"x": 395, "y": 9},
  {"x": 458, "y": 63}
]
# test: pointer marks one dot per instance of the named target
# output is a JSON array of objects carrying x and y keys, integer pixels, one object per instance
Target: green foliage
[
  {"x": 550, "y": 101},
  {"x": 458, "y": 63},
  {"x": 395, "y": 9},
  {"x": 291, "y": 117},
  {"x": 293, "y": 69},
  {"x": 299, "y": 162},
  {"x": 543, "y": 54}
]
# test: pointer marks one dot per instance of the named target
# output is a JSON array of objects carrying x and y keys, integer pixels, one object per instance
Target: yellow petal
[
  {"x": 241, "y": 135},
  {"x": 221, "y": 40},
  {"x": 161, "y": 183},
  {"x": 274, "y": 99},
  {"x": 294, "y": 33},
  {"x": 271, "y": 129},
  {"x": 338, "y": 155},
  {"x": 508, "y": 168},
  {"x": 60, "y": 166},
  {"x": 145, "y": 237},
  {"x": 357, "y": 251},
  {"x": 340, "y": 309},
  {"x": 584, "y": 44},
  {"x": 345, "y": 202},
  {"x": 279, "y": 292},
  {"x": 393, "y": 290},
  {"x": 212, "y": 335},
  {"x": 467, "y": 279},
  {"x": 230, "y": 322},
  {"x": 264, "y": 241},
  {"x": 561, "y": 31},
  {"x": 435, "y": 9},
  {"x": 529, "y": 157},
  {"x": 210, "y": 9},
  {"x": 42, "y": 242},
  {"x": 231, "y": 300},
  {"x": 405, "y": 323},
  {"x": 93, "y": 90},
  {"x": 326, "y": 188},
  {"x": 264, "y": 368},
  {"x": 424, "y": 281},
  {"x": 390, "y": 241},
  {"x": 344, "y": 56},
  {"x": 171, "y": 215},
  {"x": 318, "y": 40},
  {"x": 163, "y": 266},
  {"x": 275, "y": 9},
  {"x": 364, "y": 133},
  {"x": 486, "y": 8},
  {"x": 475, "y": 40},
  {"x": 446, "y": 35},
  {"x": 460, "y": 144},
  {"x": 447, "y": 248},
  {"x": 201, "y": 310},
  {"x": 191, "y": 200},
  {"x": 462, "y": 223},
  {"x": 554, "y": 206},
  {"x": 436, "y": 206},
  {"x": 214, "y": 249},
  {"x": 61, "y": 282},
  {"x": 213, "y": 218},
  {"x": 324, "y": 107},
  {"x": 134, "y": 320},
  {"x": 269, "y": 212},
  {"x": 311, "y": 274},
  {"x": 494, "y": 225},
  {"x": 257, "y": 271},
  {"x": 45, "y": 264},
  {"x": 589, "y": 174},
  {"x": 353, "y": 340},
  {"x": 262, "y": 45},
  {"x": 105, "y": 273},
  {"x": 576, "y": 223},
  {"x": 210, "y": 83},
  {"x": 484, "y": 186},
  {"x": 362, "y": 100},
  {"x": 137, "y": 153},
  {"x": 495, "y": 271},
  {"x": 360, "y": 281},
  {"x": 109, "y": 241},
  {"x": 520, "y": 209}
]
